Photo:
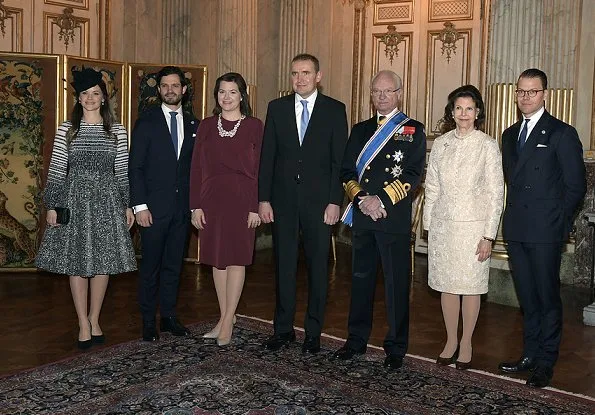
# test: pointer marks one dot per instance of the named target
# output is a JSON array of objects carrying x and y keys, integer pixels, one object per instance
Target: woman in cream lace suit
[{"x": 464, "y": 192}]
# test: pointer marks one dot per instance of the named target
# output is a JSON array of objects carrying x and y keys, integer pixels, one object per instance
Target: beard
[{"x": 172, "y": 99}]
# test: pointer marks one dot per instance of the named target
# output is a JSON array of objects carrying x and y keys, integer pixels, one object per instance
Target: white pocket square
[{"x": 541, "y": 145}]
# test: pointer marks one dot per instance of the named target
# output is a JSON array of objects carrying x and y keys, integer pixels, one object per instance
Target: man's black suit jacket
[
  {"x": 546, "y": 181},
  {"x": 314, "y": 166},
  {"x": 399, "y": 159},
  {"x": 156, "y": 177}
]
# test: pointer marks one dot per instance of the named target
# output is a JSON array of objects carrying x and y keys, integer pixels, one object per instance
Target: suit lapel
[
  {"x": 316, "y": 117},
  {"x": 371, "y": 126},
  {"x": 291, "y": 121},
  {"x": 537, "y": 136},
  {"x": 511, "y": 144},
  {"x": 165, "y": 134},
  {"x": 189, "y": 133},
  {"x": 160, "y": 117}
]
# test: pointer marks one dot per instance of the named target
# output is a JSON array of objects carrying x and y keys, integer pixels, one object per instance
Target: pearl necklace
[
  {"x": 232, "y": 132},
  {"x": 462, "y": 137}
]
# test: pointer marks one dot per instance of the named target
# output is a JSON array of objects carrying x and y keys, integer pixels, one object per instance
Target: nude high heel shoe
[
  {"x": 221, "y": 342},
  {"x": 213, "y": 334}
]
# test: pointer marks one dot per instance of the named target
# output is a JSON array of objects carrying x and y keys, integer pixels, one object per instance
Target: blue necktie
[
  {"x": 523, "y": 136},
  {"x": 174, "y": 131},
  {"x": 305, "y": 120}
]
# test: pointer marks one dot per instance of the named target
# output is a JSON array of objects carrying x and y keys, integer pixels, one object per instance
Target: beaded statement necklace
[{"x": 232, "y": 132}]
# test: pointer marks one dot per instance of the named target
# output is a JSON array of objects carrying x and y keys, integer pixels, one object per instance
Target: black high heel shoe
[
  {"x": 98, "y": 339},
  {"x": 84, "y": 344},
  {"x": 445, "y": 361},
  {"x": 463, "y": 365}
]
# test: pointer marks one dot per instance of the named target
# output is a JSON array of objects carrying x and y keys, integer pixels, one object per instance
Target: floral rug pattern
[{"x": 195, "y": 376}]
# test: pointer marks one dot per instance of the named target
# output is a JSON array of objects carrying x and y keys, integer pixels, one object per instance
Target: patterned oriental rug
[{"x": 193, "y": 376}]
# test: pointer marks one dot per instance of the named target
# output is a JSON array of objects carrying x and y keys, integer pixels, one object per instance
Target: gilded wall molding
[
  {"x": 359, "y": 42},
  {"x": 75, "y": 4},
  {"x": 14, "y": 16},
  {"x": 391, "y": 40},
  {"x": 441, "y": 10},
  {"x": 359, "y": 29},
  {"x": 68, "y": 24},
  {"x": 449, "y": 37},
  {"x": 393, "y": 12},
  {"x": 433, "y": 68},
  {"x": 358, "y": 4},
  {"x": 50, "y": 33},
  {"x": 404, "y": 71},
  {"x": 5, "y": 13}
]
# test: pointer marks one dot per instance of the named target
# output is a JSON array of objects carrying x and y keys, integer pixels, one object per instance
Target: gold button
[
  {"x": 366, "y": 180},
  {"x": 387, "y": 169},
  {"x": 368, "y": 168},
  {"x": 386, "y": 183},
  {"x": 388, "y": 156}
]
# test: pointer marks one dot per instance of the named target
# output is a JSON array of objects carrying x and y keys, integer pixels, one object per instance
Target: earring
[{"x": 102, "y": 102}]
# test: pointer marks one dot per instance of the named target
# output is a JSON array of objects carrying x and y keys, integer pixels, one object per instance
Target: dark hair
[
  {"x": 535, "y": 73},
  {"x": 171, "y": 70},
  {"x": 307, "y": 57},
  {"x": 105, "y": 110},
  {"x": 468, "y": 91},
  {"x": 245, "y": 108}
]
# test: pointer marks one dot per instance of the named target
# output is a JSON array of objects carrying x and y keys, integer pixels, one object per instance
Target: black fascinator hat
[{"x": 85, "y": 79}]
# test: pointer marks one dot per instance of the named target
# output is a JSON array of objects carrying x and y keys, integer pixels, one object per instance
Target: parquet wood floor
[{"x": 39, "y": 325}]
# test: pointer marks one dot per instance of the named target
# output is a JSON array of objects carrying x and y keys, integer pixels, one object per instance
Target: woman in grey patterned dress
[{"x": 88, "y": 175}]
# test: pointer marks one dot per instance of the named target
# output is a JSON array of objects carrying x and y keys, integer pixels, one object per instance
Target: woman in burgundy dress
[{"x": 224, "y": 194}]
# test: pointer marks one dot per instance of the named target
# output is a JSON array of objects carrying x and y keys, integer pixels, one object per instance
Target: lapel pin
[
  {"x": 542, "y": 131},
  {"x": 191, "y": 122}
]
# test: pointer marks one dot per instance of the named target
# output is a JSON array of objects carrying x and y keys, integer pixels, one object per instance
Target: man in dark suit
[
  {"x": 545, "y": 175},
  {"x": 383, "y": 164},
  {"x": 299, "y": 190},
  {"x": 159, "y": 174}
]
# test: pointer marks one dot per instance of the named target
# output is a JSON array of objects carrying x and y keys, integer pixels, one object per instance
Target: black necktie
[
  {"x": 174, "y": 131},
  {"x": 523, "y": 135}
]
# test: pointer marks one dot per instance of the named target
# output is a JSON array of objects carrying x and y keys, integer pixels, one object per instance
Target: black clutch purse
[{"x": 63, "y": 215}]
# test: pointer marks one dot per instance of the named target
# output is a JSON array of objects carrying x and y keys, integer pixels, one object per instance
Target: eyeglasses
[
  {"x": 386, "y": 92},
  {"x": 532, "y": 93}
]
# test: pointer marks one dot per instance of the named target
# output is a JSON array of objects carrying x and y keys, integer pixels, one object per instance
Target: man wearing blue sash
[{"x": 382, "y": 166}]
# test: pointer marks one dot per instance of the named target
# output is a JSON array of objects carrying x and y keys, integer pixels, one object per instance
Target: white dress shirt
[
  {"x": 531, "y": 124},
  {"x": 180, "y": 119},
  {"x": 390, "y": 114},
  {"x": 299, "y": 108}
]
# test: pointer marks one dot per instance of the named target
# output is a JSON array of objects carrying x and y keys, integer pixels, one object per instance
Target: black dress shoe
[
  {"x": 84, "y": 344},
  {"x": 311, "y": 344},
  {"x": 150, "y": 332},
  {"x": 540, "y": 377},
  {"x": 393, "y": 362},
  {"x": 98, "y": 339},
  {"x": 524, "y": 364},
  {"x": 172, "y": 325},
  {"x": 347, "y": 352},
  {"x": 277, "y": 341}
]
